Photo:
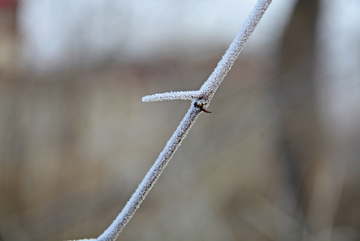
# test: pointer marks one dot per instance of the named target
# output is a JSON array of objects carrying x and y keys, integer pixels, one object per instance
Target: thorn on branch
[
  {"x": 205, "y": 110},
  {"x": 200, "y": 105}
]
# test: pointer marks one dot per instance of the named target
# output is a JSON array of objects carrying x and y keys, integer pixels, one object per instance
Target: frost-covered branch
[
  {"x": 178, "y": 95},
  {"x": 200, "y": 100}
]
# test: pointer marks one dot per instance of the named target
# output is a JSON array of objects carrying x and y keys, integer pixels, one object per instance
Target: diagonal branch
[{"x": 200, "y": 100}]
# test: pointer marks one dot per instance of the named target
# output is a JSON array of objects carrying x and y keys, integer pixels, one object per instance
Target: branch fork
[{"x": 194, "y": 96}]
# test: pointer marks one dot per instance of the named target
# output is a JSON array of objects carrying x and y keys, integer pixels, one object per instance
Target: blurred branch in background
[
  {"x": 68, "y": 134},
  {"x": 300, "y": 140},
  {"x": 9, "y": 34},
  {"x": 313, "y": 161}
]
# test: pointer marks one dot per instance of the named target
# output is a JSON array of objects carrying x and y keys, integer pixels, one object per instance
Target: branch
[
  {"x": 200, "y": 100},
  {"x": 179, "y": 95}
]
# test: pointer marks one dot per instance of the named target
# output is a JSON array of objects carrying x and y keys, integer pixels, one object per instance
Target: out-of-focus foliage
[{"x": 74, "y": 145}]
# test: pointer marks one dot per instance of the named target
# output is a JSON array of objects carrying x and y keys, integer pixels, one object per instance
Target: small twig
[
  {"x": 200, "y": 101},
  {"x": 179, "y": 95}
]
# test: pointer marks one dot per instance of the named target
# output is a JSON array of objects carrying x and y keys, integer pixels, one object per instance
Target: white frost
[{"x": 178, "y": 95}]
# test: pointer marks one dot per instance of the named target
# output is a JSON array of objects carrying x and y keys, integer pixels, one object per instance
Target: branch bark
[{"x": 200, "y": 100}]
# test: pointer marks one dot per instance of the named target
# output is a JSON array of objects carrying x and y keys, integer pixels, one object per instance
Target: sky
[{"x": 56, "y": 33}]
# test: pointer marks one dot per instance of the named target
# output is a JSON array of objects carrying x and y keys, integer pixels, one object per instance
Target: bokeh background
[{"x": 278, "y": 158}]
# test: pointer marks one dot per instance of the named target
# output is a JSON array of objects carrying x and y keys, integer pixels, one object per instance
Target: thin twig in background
[{"x": 200, "y": 101}]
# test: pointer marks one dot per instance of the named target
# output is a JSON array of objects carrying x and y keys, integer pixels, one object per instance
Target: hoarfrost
[{"x": 178, "y": 95}]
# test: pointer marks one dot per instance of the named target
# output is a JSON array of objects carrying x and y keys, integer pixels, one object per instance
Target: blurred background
[{"x": 278, "y": 158}]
